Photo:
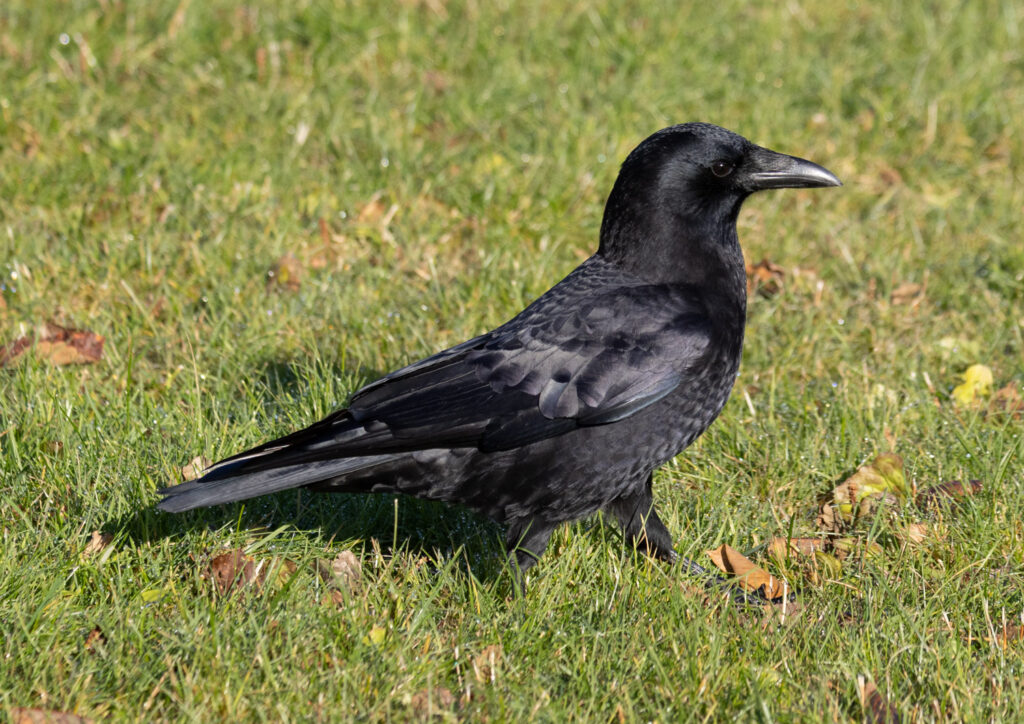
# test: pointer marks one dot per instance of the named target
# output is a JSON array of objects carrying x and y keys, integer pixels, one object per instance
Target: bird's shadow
[
  {"x": 387, "y": 522},
  {"x": 391, "y": 524}
]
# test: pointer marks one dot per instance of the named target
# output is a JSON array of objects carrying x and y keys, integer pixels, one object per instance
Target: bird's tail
[{"x": 232, "y": 482}]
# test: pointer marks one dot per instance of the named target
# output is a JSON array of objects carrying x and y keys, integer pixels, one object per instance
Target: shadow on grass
[{"x": 393, "y": 524}]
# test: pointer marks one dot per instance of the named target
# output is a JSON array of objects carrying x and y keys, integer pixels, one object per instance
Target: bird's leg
[
  {"x": 642, "y": 526},
  {"x": 526, "y": 540}
]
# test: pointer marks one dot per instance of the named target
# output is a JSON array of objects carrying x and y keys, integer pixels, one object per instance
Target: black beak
[{"x": 771, "y": 170}]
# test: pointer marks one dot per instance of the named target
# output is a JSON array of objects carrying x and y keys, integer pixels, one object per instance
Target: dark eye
[{"x": 721, "y": 169}]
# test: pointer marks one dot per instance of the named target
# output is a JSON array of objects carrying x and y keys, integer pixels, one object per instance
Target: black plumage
[{"x": 570, "y": 406}]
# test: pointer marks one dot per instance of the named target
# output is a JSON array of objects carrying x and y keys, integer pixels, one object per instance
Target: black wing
[{"x": 595, "y": 349}]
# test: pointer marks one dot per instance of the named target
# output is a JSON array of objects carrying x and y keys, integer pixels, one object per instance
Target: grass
[{"x": 432, "y": 167}]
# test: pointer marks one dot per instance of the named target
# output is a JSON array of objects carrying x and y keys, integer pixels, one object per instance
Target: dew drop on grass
[{"x": 64, "y": 38}]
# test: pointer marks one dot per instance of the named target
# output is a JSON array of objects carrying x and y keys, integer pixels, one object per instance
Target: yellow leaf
[
  {"x": 977, "y": 382},
  {"x": 150, "y": 595},
  {"x": 376, "y": 636},
  {"x": 881, "y": 482}
]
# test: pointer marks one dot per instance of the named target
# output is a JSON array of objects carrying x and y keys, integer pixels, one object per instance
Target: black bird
[{"x": 569, "y": 407}]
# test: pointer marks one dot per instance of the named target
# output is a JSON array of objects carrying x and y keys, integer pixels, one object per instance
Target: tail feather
[{"x": 230, "y": 482}]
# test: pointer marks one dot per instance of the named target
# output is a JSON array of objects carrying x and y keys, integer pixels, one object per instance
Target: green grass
[{"x": 157, "y": 159}]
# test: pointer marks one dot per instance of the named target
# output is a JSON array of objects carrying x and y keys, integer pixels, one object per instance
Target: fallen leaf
[
  {"x": 432, "y": 702},
  {"x": 877, "y": 710},
  {"x": 57, "y": 345},
  {"x": 917, "y": 532},
  {"x": 97, "y": 542},
  {"x": 951, "y": 491},
  {"x": 783, "y": 548},
  {"x": 879, "y": 483},
  {"x": 344, "y": 573},
  {"x": 10, "y": 352},
  {"x": 152, "y": 595},
  {"x": 234, "y": 570},
  {"x": 977, "y": 382},
  {"x": 376, "y": 636},
  {"x": 907, "y": 293},
  {"x": 196, "y": 466},
  {"x": 95, "y": 638},
  {"x": 486, "y": 664},
  {"x": 765, "y": 277},
  {"x": 347, "y": 569},
  {"x": 751, "y": 577},
  {"x": 285, "y": 275},
  {"x": 20, "y": 715}
]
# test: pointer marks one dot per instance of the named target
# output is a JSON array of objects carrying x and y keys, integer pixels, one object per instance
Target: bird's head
[{"x": 681, "y": 190}]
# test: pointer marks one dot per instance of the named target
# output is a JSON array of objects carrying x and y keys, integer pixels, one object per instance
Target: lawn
[{"x": 262, "y": 206}]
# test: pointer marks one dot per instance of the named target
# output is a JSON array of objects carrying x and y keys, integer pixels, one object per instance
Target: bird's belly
[{"x": 575, "y": 474}]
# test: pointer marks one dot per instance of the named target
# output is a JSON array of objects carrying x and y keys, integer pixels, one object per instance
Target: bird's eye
[{"x": 721, "y": 169}]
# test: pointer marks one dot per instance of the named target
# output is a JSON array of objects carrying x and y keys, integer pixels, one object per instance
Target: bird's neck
[{"x": 702, "y": 255}]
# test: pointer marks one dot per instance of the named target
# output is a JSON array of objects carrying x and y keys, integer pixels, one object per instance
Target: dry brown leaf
[
  {"x": 917, "y": 532},
  {"x": 952, "y": 491},
  {"x": 877, "y": 710},
  {"x": 10, "y": 352},
  {"x": 486, "y": 664},
  {"x": 196, "y": 466},
  {"x": 907, "y": 293},
  {"x": 347, "y": 569},
  {"x": 97, "y": 542},
  {"x": 94, "y": 639},
  {"x": 285, "y": 275},
  {"x": 432, "y": 702},
  {"x": 829, "y": 519},
  {"x": 765, "y": 277},
  {"x": 783, "y": 548},
  {"x": 234, "y": 570},
  {"x": 344, "y": 573},
  {"x": 751, "y": 577},
  {"x": 57, "y": 345},
  {"x": 21, "y": 715}
]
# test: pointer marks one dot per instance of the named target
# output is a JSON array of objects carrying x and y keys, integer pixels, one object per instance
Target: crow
[{"x": 569, "y": 407}]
